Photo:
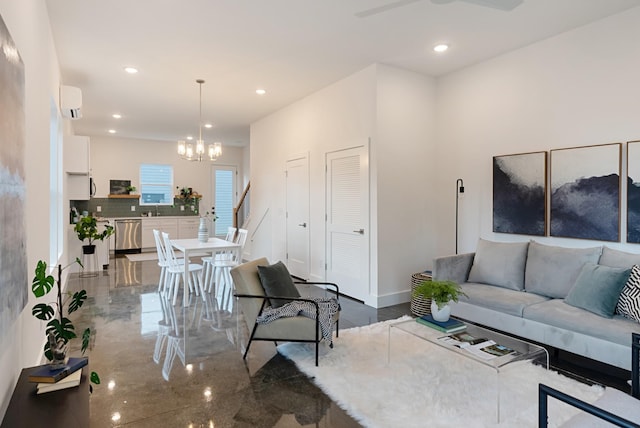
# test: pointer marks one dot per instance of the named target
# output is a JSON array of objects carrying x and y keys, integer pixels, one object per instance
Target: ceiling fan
[{"x": 506, "y": 5}]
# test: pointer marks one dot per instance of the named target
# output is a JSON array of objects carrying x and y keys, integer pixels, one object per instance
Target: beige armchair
[{"x": 253, "y": 301}]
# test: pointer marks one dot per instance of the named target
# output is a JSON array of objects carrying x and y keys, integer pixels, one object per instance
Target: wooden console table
[{"x": 64, "y": 408}]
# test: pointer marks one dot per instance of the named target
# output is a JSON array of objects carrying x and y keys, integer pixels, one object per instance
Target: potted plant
[
  {"x": 87, "y": 228},
  {"x": 131, "y": 189},
  {"x": 440, "y": 293},
  {"x": 60, "y": 330}
]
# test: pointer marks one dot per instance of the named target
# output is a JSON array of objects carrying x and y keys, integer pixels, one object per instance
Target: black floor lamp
[{"x": 459, "y": 189}]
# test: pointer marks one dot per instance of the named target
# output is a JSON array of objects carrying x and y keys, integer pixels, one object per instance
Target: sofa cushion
[
  {"x": 277, "y": 281},
  {"x": 616, "y": 258},
  {"x": 629, "y": 302},
  {"x": 500, "y": 299},
  {"x": 597, "y": 289},
  {"x": 500, "y": 263},
  {"x": 551, "y": 271},
  {"x": 556, "y": 313}
]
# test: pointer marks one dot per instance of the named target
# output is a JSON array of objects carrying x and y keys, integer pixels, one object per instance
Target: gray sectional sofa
[{"x": 552, "y": 295}]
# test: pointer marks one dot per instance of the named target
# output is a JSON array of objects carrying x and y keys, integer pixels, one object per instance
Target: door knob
[
  {"x": 360, "y": 231},
  {"x": 303, "y": 224}
]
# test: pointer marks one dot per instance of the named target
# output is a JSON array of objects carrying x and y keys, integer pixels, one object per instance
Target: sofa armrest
[{"x": 453, "y": 268}]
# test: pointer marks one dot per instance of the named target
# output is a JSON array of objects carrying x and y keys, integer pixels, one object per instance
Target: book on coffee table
[{"x": 449, "y": 326}]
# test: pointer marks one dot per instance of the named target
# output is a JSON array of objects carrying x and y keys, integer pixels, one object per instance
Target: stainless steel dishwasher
[{"x": 128, "y": 236}]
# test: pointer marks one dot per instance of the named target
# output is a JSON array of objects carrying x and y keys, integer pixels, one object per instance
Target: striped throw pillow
[{"x": 629, "y": 301}]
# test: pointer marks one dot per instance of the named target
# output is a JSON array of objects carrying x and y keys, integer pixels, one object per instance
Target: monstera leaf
[{"x": 42, "y": 283}]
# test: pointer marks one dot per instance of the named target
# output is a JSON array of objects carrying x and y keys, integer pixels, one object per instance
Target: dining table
[{"x": 192, "y": 246}]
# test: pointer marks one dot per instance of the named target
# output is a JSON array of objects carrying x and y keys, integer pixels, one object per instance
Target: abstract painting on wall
[
  {"x": 633, "y": 192},
  {"x": 519, "y": 193},
  {"x": 585, "y": 192},
  {"x": 13, "y": 258}
]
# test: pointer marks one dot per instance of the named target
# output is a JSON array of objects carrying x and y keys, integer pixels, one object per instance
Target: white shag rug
[{"x": 427, "y": 386}]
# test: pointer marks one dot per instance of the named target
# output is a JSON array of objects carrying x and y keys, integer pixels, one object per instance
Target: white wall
[
  {"x": 28, "y": 23},
  {"x": 405, "y": 170},
  {"x": 115, "y": 158},
  {"x": 394, "y": 109},
  {"x": 579, "y": 88}
]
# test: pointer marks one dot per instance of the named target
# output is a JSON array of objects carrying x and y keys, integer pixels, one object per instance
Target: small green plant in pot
[
  {"x": 87, "y": 228},
  {"x": 440, "y": 293},
  {"x": 60, "y": 329}
]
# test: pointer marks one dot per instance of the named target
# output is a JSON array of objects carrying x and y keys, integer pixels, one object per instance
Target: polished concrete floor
[{"x": 169, "y": 366}]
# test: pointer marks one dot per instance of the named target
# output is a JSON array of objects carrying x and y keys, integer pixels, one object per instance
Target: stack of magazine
[{"x": 479, "y": 346}]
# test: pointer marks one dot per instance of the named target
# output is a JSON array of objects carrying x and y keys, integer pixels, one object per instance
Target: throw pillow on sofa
[
  {"x": 277, "y": 282},
  {"x": 499, "y": 263},
  {"x": 597, "y": 289},
  {"x": 629, "y": 302},
  {"x": 552, "y": 271}
]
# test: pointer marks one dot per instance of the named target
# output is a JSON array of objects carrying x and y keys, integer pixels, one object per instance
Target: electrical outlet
[
  {"x": 133, "y": 207},
  {"x": 181, "y": 207},
  {"x": 99, "y": 208}
]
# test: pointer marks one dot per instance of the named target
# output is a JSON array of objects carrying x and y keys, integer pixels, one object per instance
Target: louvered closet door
[{"x": 348, "y": 221}]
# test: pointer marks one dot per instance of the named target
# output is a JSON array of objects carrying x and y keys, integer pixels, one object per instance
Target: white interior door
[
  {"x": 348, "y": 221},
  {"x": 298, "y": 217}
]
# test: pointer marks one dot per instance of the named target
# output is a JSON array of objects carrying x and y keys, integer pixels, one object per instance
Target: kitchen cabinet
[
  {"x": 188, "y": 227},
  {"x": 168, "y": 225},
  {"x": 77, "y": 155},
  {"x": 77, "y": 167}
]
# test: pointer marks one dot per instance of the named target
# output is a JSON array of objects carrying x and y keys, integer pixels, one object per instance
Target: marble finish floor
[{"x": 170, "y": 366}]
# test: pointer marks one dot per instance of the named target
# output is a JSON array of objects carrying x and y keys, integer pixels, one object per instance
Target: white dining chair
[
  {"x": 162, "y": 260},
  {"x": 207, "y": 262},
  {"x": 222, "y": 269},
  {"x": 175, "y": 272}
]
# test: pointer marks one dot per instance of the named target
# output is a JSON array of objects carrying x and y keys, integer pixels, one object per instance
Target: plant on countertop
[
  {"x": 441, "y": 292},
  {"x": 87, "y": 228},
  {"x": 131, "y": 189},
  {"x": 60, "y": 330}
]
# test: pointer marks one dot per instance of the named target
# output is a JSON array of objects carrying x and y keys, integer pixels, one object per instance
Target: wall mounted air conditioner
[{"x": 70, "y": 102}]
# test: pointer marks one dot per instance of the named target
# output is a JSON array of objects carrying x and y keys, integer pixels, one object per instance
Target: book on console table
[
  {"x": 45, "y": 374},
  {"x": 449, "y": 326},
  {"x": 68, "y": 382}
]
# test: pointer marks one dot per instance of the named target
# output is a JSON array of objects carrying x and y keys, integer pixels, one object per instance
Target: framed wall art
[
  {"x": 520, "y": 193},
  {"x": 633, "y": 192},
  {"x": 14, "y": 284},
  {"x": 585, "y": 192}
]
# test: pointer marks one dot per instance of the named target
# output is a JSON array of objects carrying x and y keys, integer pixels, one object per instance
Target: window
[
  {"x": 224, "y": 178},
  {"x": 156, "y": 184},
  {"x": 55, "y": 186}
]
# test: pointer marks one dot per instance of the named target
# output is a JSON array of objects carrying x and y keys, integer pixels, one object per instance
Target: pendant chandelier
[{"x": 186, "y": 150}]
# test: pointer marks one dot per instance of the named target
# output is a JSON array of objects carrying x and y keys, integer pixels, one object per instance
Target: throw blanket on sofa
[{"x": 327, "y": 309}]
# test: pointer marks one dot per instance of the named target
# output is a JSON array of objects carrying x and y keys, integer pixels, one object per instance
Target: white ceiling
[{"x": 291, "y": 48}]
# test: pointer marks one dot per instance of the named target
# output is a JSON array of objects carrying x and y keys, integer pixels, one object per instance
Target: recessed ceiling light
[
  {"x": 112, "y": 131},
  {"x": 131, "y": 70},
  {"x": 116, "y": 116},
  {"x": 260, "y": 91},
  {"x": 189, "y": 137},
  {"x": 208, "y": 125},
  {"x": 440, "y": 48}
]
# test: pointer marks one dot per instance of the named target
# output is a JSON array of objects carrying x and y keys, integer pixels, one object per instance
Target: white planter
[{"x": 440, "y": 314}]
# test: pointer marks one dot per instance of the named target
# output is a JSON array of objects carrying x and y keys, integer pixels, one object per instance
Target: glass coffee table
[{"x": 518, "y": 349}]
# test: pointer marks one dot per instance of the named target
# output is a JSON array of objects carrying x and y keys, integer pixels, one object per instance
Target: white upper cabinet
[{"x": 76, "y": 155}]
